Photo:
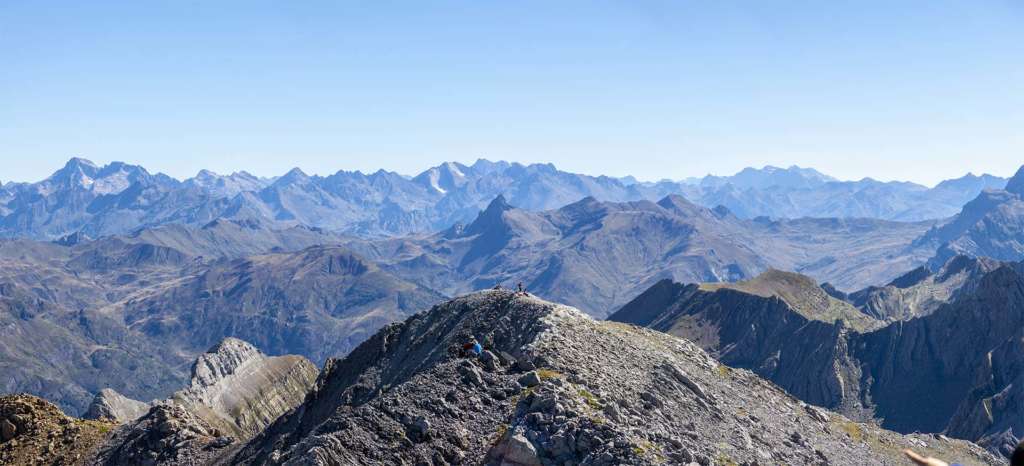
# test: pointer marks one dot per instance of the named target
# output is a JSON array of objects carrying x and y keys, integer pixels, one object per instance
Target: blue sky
[{"x": 916, "y": 90}]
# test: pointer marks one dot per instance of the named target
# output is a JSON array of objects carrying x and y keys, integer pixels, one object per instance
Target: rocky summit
[
  {"x": 552, "y": 386},
  {"x": 555, "y": 387}
]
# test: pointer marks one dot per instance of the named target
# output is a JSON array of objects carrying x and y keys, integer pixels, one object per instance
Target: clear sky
[{"x": 915, "y": 90}]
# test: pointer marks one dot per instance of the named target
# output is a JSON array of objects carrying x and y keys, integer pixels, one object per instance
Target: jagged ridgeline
[
  {"x": 553, "y": 386},
  {"x": 929, "y": 352},
  {"x": 120, "y": 198}
]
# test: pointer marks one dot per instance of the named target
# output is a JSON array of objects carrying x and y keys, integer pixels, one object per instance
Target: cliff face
[
  {"x": 945, "y": 366},
  {"x": 993, "y": 411},
  {"x": 239, "y": 390},
  {"x": 235, "y": 392},
  {"x": 805, "y": 356},
  {"x": 556, "y": 387}
]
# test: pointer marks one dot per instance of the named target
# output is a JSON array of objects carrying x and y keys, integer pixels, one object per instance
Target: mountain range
[
  {"x": 83, "y": 198},
  {"x": 599, "y": 255},
  {"x": 129, "y": 312},
  {"x": 114, "y": 282}
]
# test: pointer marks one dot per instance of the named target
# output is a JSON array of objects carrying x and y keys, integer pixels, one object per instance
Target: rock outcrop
[
  {"x": 109, "y": 404},
  {"x": 993, "y": 411},
  {"x": 235, "y": 390},
  {"x": 35, "y": 432},
  {"x": 238, "y": 390},
  {"x": 166, "y": 435},
  {"x": 557, "y": 387}
]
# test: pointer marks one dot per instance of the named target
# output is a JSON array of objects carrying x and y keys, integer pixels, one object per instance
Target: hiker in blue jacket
[{"x": 472, "y": 347}]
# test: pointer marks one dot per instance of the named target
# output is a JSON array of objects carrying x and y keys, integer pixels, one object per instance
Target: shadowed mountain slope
[
  {"x": 929, "y": 368},
  {"x": 991, "y": 225}
]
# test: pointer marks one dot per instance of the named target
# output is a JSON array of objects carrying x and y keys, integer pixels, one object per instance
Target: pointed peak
[
  {"x": 490, "y": 217},
  {"x": 295, "y": 175},
  {"x": 77, "y": 171},
  {"x": 79, "y": 162},
  {"x": 222, "y": 360},
  {"x": 677, "y": 203},
  {"x": 296, "y": 172},
  {"x": 499, "y": 203}
]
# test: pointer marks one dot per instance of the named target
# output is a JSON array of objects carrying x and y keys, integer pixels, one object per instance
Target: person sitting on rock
[{"x": 472, "y": 347}]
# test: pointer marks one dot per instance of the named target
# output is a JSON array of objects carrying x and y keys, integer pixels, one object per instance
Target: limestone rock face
[
  {"x": 109, "y": 404},
  {"x": 239, "y": 390},
  {"x": 608, "y": 394},
  {"x": 236, "y": 391}
]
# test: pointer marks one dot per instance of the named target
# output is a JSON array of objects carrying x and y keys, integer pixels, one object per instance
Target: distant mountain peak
[
  {"x": 78, "y": 172},
  {"x": 679, "y": 204},
  {"x": 490, "y": 217},
  {"x": 295, "y": 175},
  {"x": 78, "y": 162},
  {"x": 499, "y": 202},
  {"x": 207, "y": 174},
  {"x": 1016, "y": 183}
]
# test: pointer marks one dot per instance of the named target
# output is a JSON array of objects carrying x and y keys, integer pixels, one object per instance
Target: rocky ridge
[
  {"x": 961, "y": 349},
  {"x": 235, "y": 390},
  {"x": 557, "y": 387}
]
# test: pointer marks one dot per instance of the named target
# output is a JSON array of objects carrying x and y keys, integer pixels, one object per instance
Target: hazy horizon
[
  {"x": 101, "y": 163},
  {"x": 914, "y": 91}
]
